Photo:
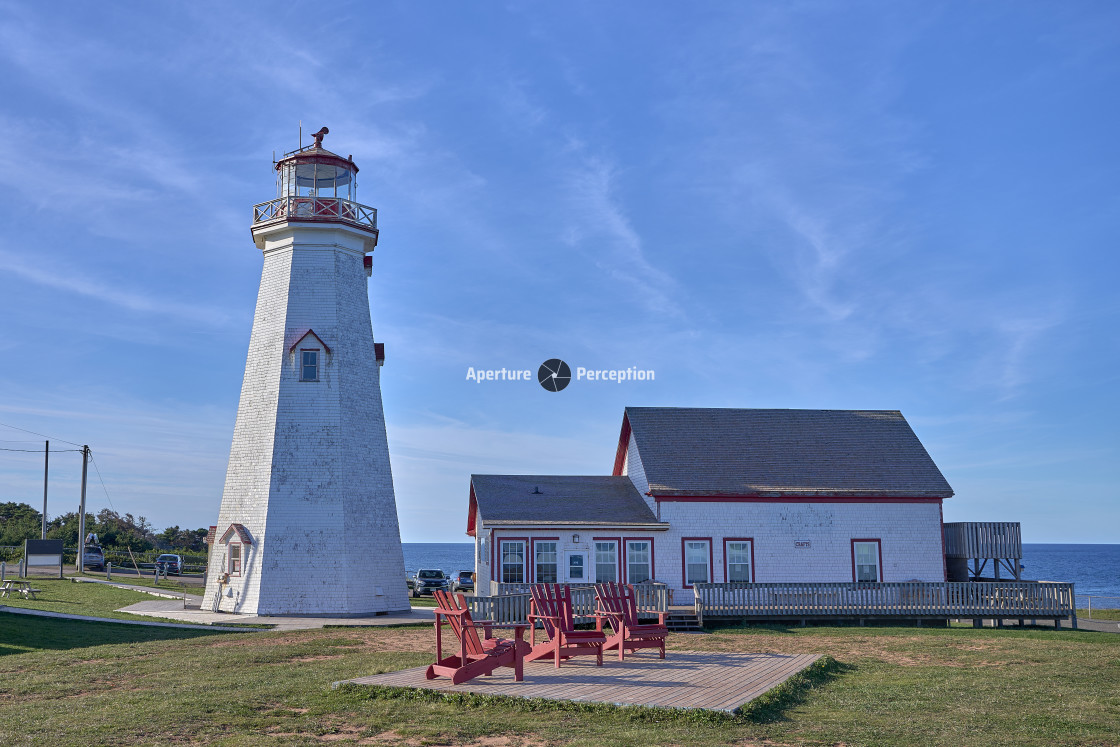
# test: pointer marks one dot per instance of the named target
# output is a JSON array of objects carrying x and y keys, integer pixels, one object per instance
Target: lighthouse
[{"x": 308, "y": 521}]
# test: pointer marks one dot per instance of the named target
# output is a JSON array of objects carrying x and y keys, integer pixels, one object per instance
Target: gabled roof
[
  {"x": 739, "y": 452},
  {"x": 240, "y": 530},
  {"x": 567, "y": 500},
  {"x": 304, "y": 337}
]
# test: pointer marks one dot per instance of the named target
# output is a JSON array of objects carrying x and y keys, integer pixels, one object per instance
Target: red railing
[{"x": 319, "y": 209}]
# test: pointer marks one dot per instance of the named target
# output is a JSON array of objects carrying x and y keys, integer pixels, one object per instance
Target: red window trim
[
  {"x": 533, "y": 556},
  {"x": 619, "y": 550},
  {"x": 240, "y": 559},
  {"x": 317, "y": 363},
  {"x": 524, "y": 557},
  {"x": 626, "y": 559},
  {"x": 684, "y": 561},
  {"x": 878, "y": 542},
  {"x": 727, "y": 563}
]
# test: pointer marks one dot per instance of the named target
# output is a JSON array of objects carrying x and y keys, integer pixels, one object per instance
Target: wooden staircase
[{"x": 683, "y": 620}]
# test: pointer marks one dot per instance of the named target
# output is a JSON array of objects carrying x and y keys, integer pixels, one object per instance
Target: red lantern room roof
[{"x": 314, "y": 154}]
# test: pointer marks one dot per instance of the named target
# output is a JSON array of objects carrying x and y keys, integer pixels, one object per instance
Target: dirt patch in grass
[{"x": 373, "y": 640}]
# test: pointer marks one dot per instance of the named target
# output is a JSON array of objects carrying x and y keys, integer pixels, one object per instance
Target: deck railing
[
  {"x": 1011, "y": 599},
  {"x": 316, "y": 209},
  {"x": 511, "y": 604},
  {"x": 983, "y": 539}
]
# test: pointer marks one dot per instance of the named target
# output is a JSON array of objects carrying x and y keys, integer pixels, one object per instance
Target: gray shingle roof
[
  {"x": 563, "y": 499},
  {"x": 712, "y": 451}
]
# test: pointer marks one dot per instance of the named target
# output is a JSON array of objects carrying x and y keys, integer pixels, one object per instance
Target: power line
[
  {"x": 33, "y": 433},
  {"x": 39, "y": 451},
  {"x": 95, "y": 469}
]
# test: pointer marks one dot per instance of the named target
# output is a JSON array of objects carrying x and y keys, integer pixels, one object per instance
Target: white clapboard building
[
  {"x": 723, "y": 495},
  {"x": 308, "y": 521}
]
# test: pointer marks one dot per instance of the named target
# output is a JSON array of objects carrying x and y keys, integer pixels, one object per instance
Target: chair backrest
[
  {"x": 554, "y": 600},
  {"x": 618, "y": 598},
  {"x": 463, "y": 625}
]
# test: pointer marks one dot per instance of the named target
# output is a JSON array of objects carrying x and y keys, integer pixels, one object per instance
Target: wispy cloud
[
  {"x": 602, "y": 227},
  {"x": 66, "y": 280}
]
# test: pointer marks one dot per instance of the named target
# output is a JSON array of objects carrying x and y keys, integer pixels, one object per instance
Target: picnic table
[{"x": 20, "y": 586}]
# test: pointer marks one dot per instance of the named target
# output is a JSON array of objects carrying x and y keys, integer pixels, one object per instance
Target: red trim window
[
  {"x": 867, "y": 560},
  {"x": 738, "y": 560},
  {"x": 606, "y": 558},
  {"x": 696, "y": 561},
  {"x": 511, "y": 554},
  {"x": 546, "y": 564},
  {"x": 639, "y": 559},
  {"x": 309, "y": 364},
  {"x": 234, "y": 559}
]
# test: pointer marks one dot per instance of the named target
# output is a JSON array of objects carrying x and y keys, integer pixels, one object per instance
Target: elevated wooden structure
[{"x": 979, "y": 542}]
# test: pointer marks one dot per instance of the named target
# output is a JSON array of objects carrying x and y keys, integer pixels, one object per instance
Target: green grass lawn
[
  {"x": 94, "y": 600},
  {"x": 64, "y": 682},
  {"x": 1100, "y": 614},
  {"x": 147, "y": 581}
]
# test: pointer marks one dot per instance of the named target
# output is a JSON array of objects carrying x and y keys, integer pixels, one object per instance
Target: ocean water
[
  {"x": 447, "y": 556},
  {"x": 1094, "y": 569}
]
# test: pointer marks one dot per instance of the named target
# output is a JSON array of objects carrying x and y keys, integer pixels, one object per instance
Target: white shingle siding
[
  {"x": 309, "y": 472},
  {"x": 910, "y": 534},
  {"x": 632, "y": 468}
]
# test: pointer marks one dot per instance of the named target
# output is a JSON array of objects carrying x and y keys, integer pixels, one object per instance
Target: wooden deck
[{"x": 684, "y": 679}]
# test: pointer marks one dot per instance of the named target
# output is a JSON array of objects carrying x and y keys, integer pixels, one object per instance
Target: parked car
[
  {"x": 168, "y": 563},
  {"x": 429, "y": 580},
  {"x": 463, "y": 581},
  {"x": 94, "y": 558}
]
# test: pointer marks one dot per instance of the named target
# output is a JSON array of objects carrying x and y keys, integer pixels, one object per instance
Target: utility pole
[
  {"x": 81, "y": 564},
  {"x": 46, "y": 465}
]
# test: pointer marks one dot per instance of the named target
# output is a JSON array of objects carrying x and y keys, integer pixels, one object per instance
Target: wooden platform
[{"x": 684, "y": 679}]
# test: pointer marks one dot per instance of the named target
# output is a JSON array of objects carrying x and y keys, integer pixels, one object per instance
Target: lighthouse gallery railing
[{"x": 316, "y": 209}]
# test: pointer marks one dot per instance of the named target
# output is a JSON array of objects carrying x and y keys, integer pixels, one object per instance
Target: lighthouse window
[
  {"x": 309, "y": 365},
  {"x": 235, "y": 559}
]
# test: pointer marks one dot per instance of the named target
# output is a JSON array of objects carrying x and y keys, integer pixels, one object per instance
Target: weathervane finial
[{"x": 319, "y": 137}]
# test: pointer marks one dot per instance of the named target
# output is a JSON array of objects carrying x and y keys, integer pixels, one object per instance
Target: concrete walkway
[
  {"x": 86, "y": 618},
  {"x": 174, "y": 610}
]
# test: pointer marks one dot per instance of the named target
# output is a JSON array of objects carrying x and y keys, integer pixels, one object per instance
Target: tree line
[{"x": 19, "y": 521}]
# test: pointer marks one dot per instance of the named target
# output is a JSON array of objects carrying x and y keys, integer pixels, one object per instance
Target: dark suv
[
  {"x": 429, "y": 580},
  {"x": 464, "y": 581},
  {"x": 168, "y": 563}
]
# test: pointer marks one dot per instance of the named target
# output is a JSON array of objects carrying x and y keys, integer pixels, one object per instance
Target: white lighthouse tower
[{"x": 308, "y": 523}]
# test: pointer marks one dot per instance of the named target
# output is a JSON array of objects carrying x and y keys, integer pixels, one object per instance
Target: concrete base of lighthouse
[{"x": 308, "y": 522}]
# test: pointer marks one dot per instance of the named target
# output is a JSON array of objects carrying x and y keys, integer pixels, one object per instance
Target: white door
[{"x": 576, "y": 567}]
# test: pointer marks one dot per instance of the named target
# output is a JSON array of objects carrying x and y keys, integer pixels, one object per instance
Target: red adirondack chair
[
  {"x": 476, "y": 655},
  {"x": 552, "y": 606},
  {"x": 617, "y": 604}
]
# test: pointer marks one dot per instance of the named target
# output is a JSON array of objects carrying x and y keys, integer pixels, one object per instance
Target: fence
[
  {"x": 1010, "y": 599},
  {"x": 1089, "y": 602},
  {"x": 511, "y": 604}
]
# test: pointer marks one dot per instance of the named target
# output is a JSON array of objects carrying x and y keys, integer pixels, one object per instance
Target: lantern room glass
[{"x": 298, "y": 178}]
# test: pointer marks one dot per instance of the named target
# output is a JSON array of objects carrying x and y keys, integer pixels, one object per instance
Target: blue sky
[{"x": 908, "y": 206}]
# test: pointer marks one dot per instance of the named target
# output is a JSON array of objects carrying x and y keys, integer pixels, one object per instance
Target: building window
[
  {"x": 697, "y": 561},
  {"x": 639, "y": 561},
  {"x": 545, "y": 562},
  {"x": 235, "y": 559},
  {"x": 867, "y": 561},
  {"x": 513, "y": 562},
  {"x": 575, "y": 567},
  {"x": 309, "y": 365},
  {"x": 606, "y": 562},
  {"x": 738, "y": 553}
]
